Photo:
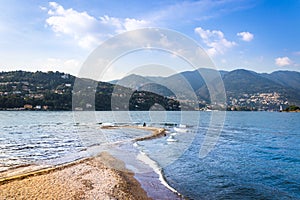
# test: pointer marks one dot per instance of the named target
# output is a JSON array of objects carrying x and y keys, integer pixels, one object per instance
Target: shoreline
[
  {"x": 99, "y": 177},
  {"x": 159, "y": 171},
  {"x": 156, "y": 132},
  {"x": 123, "y": 183}
]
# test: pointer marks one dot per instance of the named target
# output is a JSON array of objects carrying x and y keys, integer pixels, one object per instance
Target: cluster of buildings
[
  {"x": 22, "y": 95},
  {"x": 258, "y": 101},
  {"x": 37, "y": 94}
]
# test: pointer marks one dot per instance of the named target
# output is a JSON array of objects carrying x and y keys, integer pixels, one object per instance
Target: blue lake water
[{"x": 256, "y": 155}]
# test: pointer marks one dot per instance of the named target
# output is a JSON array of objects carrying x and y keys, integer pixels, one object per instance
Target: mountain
[
  {"x": 250, "y": 89},
  {"x": 141, "y": 83},
  {"x": 257, "y": 89},
  {"x": 245, "y": 90},
  {"x": 133, "y": 81},
  {"x": 285, "y": 78},
  {"x": 21, "y": 90},
  {"x": 182, "y": 85},
  {"x": 241, "y": 84},
  {"x": 243, "y": 81},
  {"x": 193, "y": 78},
  {"x": 185, "y": 84}
]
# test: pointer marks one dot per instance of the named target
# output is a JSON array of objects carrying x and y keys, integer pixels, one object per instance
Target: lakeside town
[
  {"x": 53, "y": 91},
  {"x": 259, "y": 101}
]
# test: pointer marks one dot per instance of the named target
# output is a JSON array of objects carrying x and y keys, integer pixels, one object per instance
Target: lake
[{"x": 254, "y": 155}]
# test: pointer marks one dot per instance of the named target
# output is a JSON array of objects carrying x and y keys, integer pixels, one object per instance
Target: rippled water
[
  {"x": 256, "y": 157},
  {"x": 53, "y": 137}
]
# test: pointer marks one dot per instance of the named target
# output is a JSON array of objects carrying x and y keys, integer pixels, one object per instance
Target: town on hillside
[{"x": 21, "y": 90}]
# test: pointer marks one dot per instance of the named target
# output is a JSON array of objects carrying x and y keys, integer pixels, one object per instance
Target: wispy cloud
[
  {"x": 215, "y": 41},
  {"x": 70, "y": 65},
  {"x": 283, "y": 61},
  {"x": 198, "y": 10},
  {"x": 245, "y": 36},
  {"x": 297, "y": 53},
  {"x": 85, "y": 29}
]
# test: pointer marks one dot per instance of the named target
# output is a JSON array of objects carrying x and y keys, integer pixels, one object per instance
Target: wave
[{"x": 142, "y": 156}]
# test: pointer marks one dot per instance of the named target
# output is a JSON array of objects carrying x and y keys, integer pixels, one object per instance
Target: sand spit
[
  {"x": 101, "y": 177},
  {"x": 156, "y": 132}
]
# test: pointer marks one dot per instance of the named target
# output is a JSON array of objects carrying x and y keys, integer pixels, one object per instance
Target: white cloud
[
  {"x": 43, "y": 8},
  {"x": 283, "y": 61},
  {"x": 67, "y": 65},
  {"x": 246, "y": 36},
  {"x": 131, "y": 24},
  {"x": 215, "y": 41},
  {"x": 57, "y": 64},
  {"x": 85, "y": 29}
]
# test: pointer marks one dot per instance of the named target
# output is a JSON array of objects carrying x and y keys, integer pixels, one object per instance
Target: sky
[{"x": 258, "y": 35}]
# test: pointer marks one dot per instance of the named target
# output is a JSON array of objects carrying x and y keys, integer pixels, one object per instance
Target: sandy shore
[
  {"x": 156, "y": 132},
  {"x": 101, "y": 177}
]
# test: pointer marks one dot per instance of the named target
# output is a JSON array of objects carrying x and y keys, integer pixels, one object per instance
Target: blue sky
[{"x": 258, "y": 35}]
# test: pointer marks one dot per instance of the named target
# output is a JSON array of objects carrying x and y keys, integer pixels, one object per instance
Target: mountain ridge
[
  {"x": 244, "y": 88},
  {"x": 237, "y": 83}
]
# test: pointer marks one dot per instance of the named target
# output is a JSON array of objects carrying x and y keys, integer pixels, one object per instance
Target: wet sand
[
  {"x": 100, "y": 177},
  {"x": 156, "y": 132}
]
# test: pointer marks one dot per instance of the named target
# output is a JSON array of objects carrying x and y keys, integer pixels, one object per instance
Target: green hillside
[{"x": 21, "y": 90}]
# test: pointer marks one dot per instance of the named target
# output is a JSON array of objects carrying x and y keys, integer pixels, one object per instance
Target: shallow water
[{"x": 257, "y": 155}]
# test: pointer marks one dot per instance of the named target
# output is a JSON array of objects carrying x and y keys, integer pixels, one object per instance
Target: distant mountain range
[
  {"x": 245, "y": 90},
  {"x": 279, "y": 87}
]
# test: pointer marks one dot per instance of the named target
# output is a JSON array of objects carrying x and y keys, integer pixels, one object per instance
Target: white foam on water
[{"x": 157, "y": 169}]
